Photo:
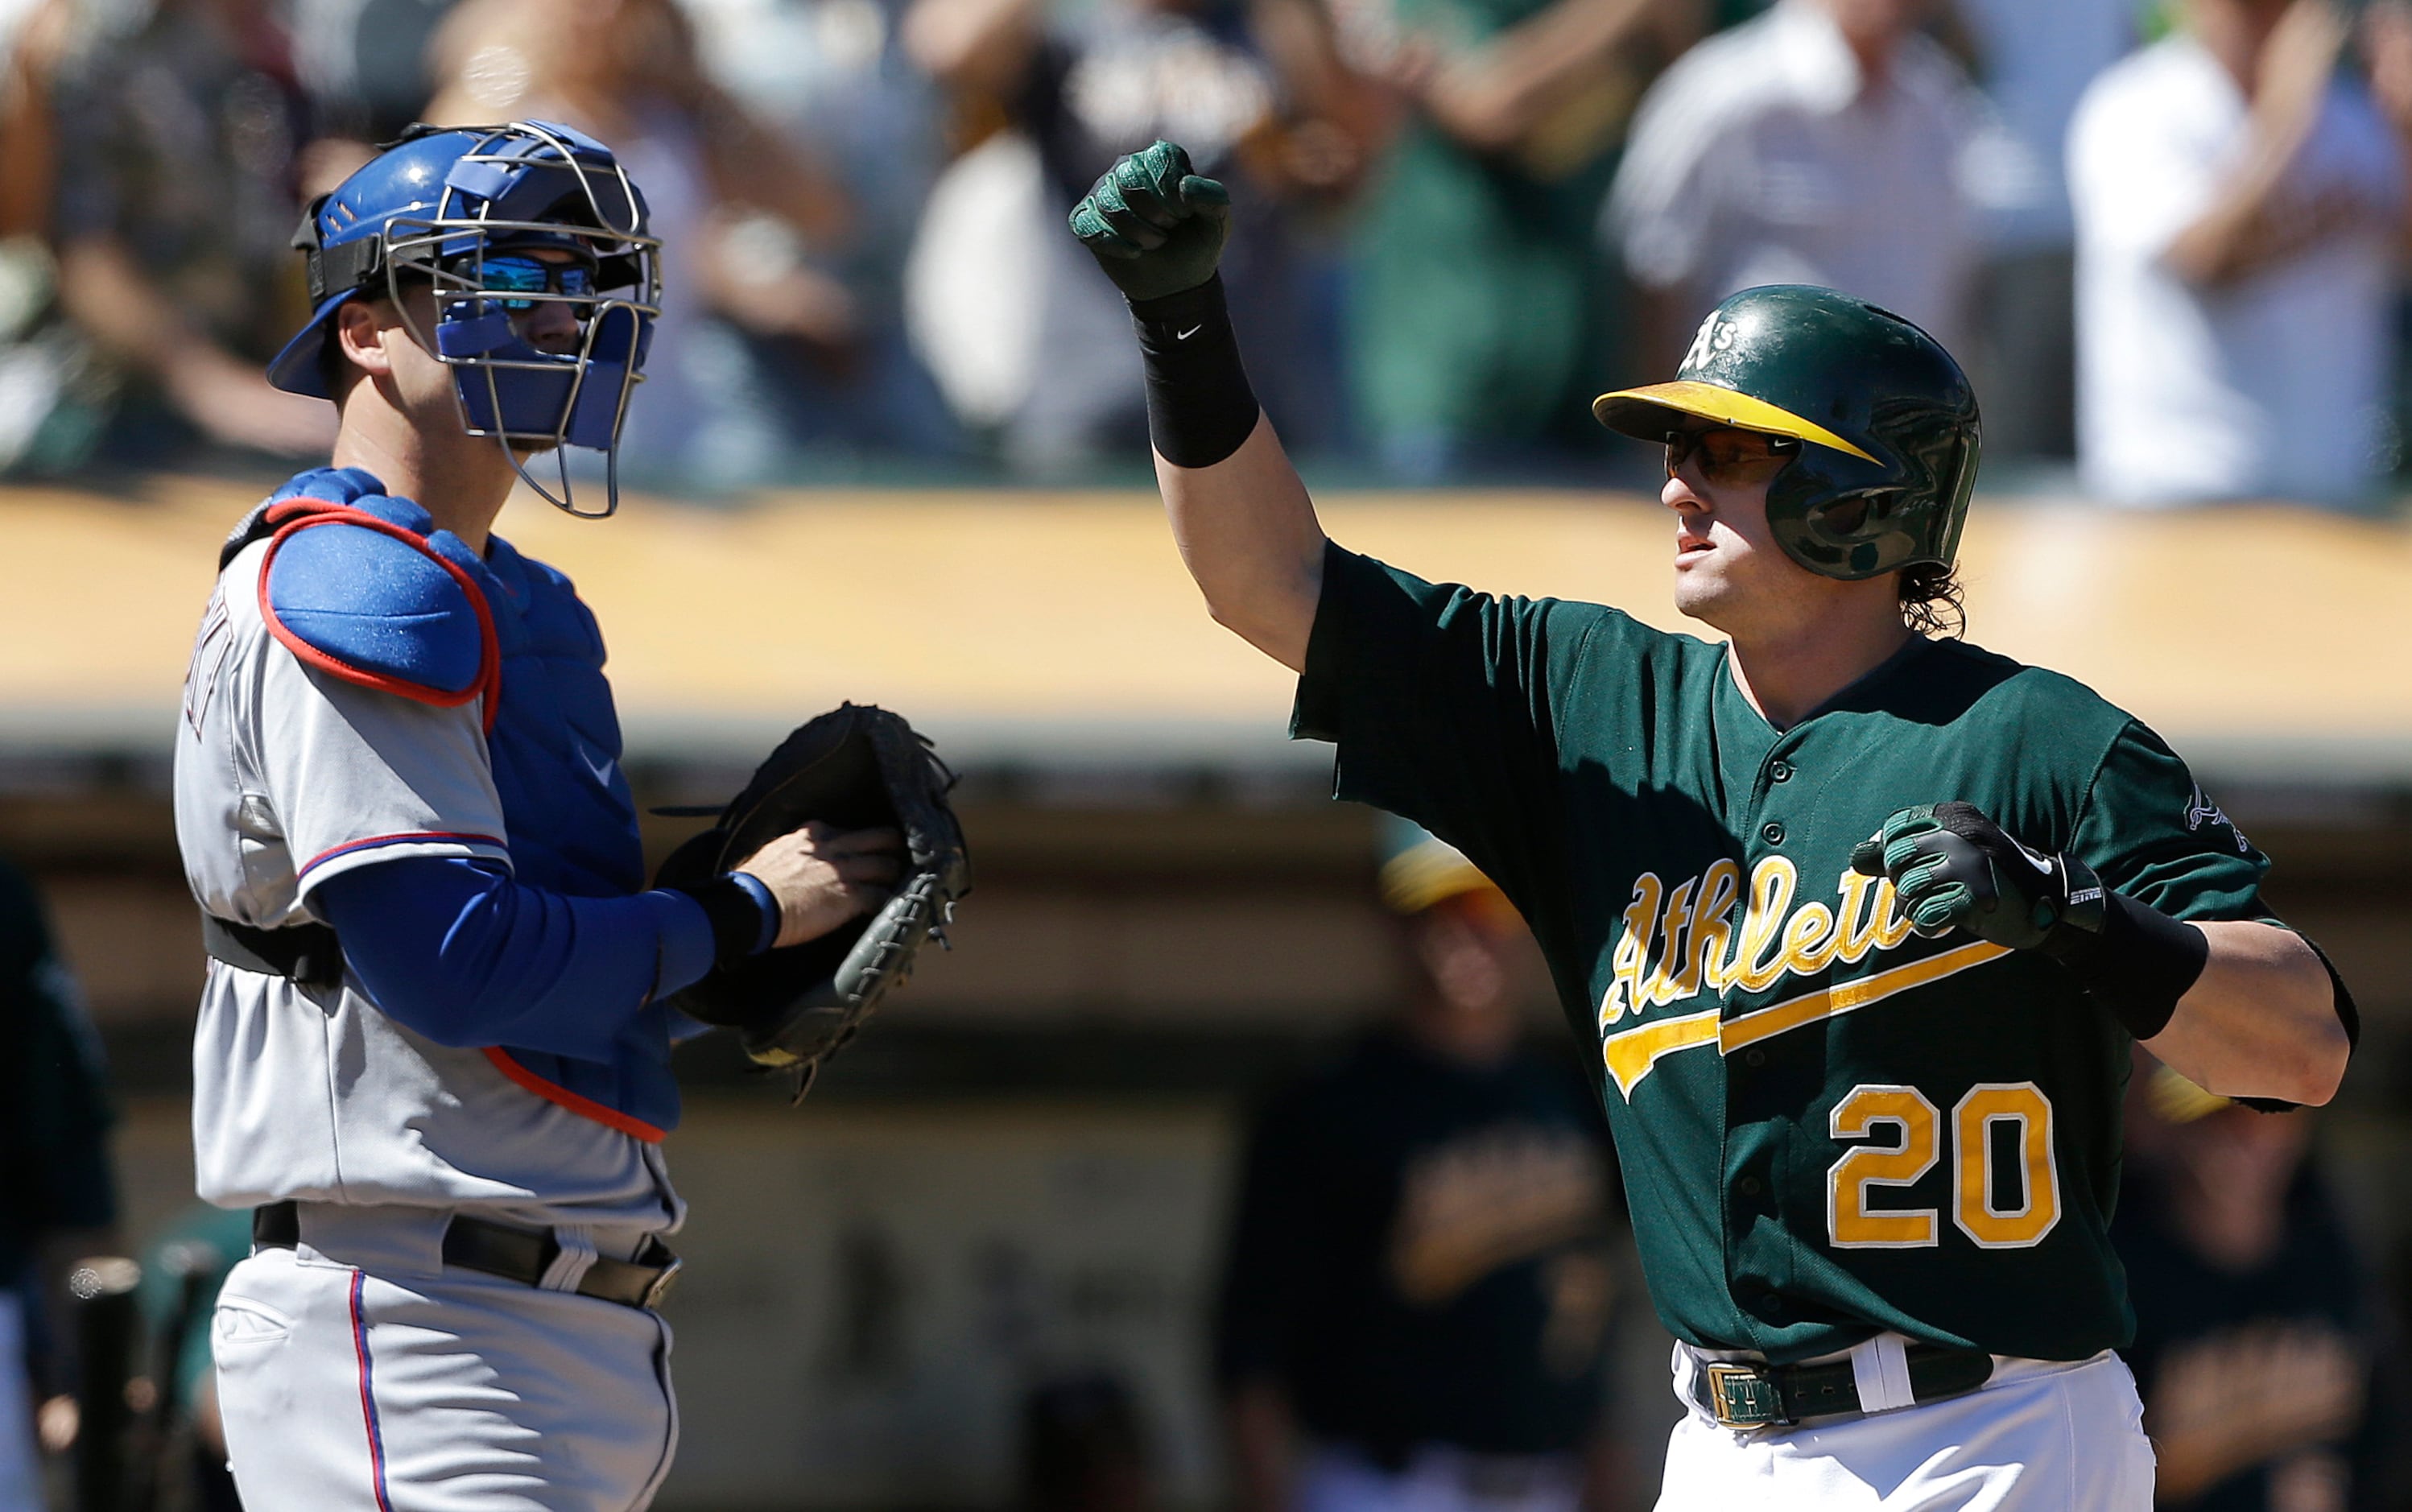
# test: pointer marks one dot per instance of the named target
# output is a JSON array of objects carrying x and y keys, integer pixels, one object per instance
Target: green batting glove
[
  {"x": 1154, "y": 227},
  {"x": 1953, "y": 868}
]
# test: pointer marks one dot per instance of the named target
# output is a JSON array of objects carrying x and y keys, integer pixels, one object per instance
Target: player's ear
[{"x": 360, "y": 334}]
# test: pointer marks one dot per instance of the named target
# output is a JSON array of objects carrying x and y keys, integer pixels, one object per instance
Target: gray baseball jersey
[{"x": 285, "y": 776}]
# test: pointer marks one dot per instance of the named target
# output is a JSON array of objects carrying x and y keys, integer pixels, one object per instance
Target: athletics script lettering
[{"x": 1680, "y": 944}]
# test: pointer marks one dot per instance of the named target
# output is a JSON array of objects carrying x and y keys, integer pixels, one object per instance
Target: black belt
[
  {"x": 308, "y": 953},
  {"x": 521, "y": 1254},
  {"x": 1743, "y": 1394}
]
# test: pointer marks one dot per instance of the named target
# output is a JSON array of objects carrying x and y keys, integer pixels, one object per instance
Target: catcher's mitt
[{"x": 855, "y": 767}]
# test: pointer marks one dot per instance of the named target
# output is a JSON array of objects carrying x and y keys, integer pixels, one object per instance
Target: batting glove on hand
[
  {"x": 1154, "y": 227},
  {"x": 1953, "y": 868}
]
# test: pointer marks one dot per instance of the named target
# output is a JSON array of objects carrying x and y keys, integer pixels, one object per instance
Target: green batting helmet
[{"x": 1886, "y": 422}]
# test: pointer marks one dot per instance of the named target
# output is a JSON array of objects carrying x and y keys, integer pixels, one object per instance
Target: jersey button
[
  {"x": 1748, "y": 1186},
  {"x": 1772, "y": 831},
  {"x": 1754, "y": 1057},
  {"x": 1769, "y": 1306},
  {"x": 1779, "y": 771}
]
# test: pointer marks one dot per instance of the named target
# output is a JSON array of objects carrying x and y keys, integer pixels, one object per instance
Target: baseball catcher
[{"x": 433, "y": 1053}]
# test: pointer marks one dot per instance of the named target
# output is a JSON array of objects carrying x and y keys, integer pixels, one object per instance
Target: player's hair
[{"x": 1930, "y": 600}]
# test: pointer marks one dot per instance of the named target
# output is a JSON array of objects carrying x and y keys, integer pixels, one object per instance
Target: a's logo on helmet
[{"x": 1717, "y": 334}]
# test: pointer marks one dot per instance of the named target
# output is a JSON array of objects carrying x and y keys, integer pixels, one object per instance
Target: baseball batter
[
  {"x": 431, "y": 1052},
  {"x": 1864, "y": 920}
]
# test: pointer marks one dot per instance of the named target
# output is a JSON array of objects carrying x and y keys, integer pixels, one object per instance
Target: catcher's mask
[
  {"x": 1885, "y": 420},
  {"x": 438, "y": 205}
]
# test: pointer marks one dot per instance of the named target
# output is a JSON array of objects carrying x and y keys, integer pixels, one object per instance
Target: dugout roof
[{"x": 1057, "y": 630}]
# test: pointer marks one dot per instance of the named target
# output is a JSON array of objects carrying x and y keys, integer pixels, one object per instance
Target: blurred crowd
[{"x": 2164, "y": 235}]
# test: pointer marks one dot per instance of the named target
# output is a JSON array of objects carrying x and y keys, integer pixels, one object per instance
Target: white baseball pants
[
  {"x": 2041, "y": 1436},
  {"x": 357, "y": 1375}
]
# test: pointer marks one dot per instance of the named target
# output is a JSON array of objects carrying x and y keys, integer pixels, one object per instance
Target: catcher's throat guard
[
  {"x": 857, "y": 767},
  {"x": 440, "y": 203},
  {"x": 1887, "y": 420}
]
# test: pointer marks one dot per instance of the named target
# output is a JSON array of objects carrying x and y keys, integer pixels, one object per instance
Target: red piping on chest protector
[
  {"x": 300, "y": 515},
  {"x": 553, "y": 1091}
]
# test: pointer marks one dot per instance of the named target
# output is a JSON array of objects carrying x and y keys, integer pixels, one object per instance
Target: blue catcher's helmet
[{"x": 438, "y": 205}]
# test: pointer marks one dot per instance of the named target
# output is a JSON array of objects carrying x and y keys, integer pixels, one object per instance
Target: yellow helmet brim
[
  {"x": 2177, "y": 1100},
  {"x": 1643, "y": 413},
  {"x": 1428, "y": 873}
]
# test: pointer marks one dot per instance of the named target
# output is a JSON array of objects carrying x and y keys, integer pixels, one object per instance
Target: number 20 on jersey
[{"x": 2000, "y": 1204}]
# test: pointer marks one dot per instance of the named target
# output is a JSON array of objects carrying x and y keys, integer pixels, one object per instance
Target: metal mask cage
[{"x": 450, "y": 249}]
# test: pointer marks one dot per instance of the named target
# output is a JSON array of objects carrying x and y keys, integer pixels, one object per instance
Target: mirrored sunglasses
[{"x": 508, "y": 274}]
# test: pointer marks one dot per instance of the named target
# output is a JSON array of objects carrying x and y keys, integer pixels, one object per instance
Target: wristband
[
  {"x": 1199, "y": 407},
  {"x": 765, "y": 900},
  {"x": 735, "y": 911},
  {"x": 2138, "y": 964}
]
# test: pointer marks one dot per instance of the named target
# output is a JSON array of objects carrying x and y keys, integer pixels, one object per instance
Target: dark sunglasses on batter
[
  {"x": 1730, "y": 456},
  {"x": 509, "y": 274}
]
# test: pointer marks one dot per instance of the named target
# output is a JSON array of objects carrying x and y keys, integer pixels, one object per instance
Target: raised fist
[{"x": 1156, "y": 227}]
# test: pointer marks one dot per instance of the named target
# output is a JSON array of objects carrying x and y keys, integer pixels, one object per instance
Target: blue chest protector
[{"x": 362, "y": 586}]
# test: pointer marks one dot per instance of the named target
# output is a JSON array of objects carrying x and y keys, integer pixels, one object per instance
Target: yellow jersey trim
[{"x": 1632, "y": 1053}]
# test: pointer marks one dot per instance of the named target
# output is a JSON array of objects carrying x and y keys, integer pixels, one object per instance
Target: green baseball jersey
[{"x": 1828, "y": 1125}]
